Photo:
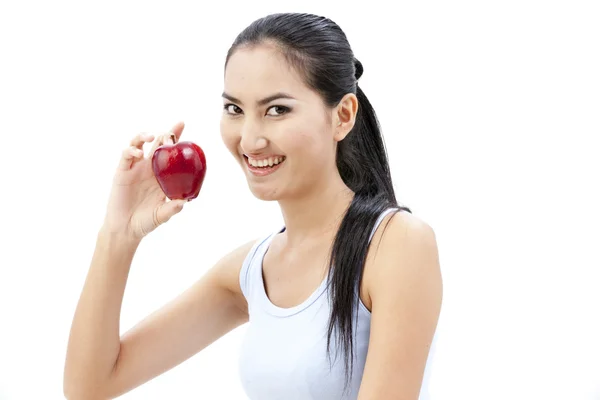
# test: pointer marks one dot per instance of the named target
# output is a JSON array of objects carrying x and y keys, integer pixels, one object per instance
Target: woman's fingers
[
  {"x": 166, "y": 210},
  {"x": 167, "y": 138},
  {"x": 157, "y": 143},
  {"x": 135, "y": 150},
  {"x": 177, "y": 130},
  {"x": 140, "y": 139},
  {"x": 129, "y": 156}
]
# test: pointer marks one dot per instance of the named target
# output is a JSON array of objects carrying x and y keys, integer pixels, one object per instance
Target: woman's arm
[
  {"x": 100, "y": 364},
  {"x": 404, "y": 286}
]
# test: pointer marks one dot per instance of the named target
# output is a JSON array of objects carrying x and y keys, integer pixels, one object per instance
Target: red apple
[{"x": 179, "y": 169}]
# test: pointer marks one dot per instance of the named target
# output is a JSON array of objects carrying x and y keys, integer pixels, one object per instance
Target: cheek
[
  {"x": 230, "y": 137},
  {"x": 308, "y": 150},
  {"x": 310, "y": 143}
]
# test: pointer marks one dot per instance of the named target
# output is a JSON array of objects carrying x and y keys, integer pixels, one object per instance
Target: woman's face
[{"x": 272, "y": 118}]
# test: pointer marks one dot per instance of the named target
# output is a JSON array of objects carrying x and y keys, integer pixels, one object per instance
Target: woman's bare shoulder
[{"x": 228, "y": 270}]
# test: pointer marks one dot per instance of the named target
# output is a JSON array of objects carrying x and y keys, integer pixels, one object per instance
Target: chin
[
  {"x": 265, "y": 192},
  {"x": 268, "y": 189}
]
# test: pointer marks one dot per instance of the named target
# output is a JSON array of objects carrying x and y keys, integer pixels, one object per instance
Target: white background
[{"x": 491, "y": 115}]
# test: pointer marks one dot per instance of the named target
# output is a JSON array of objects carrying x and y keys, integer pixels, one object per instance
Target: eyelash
[{"x": 283, "y": 108}]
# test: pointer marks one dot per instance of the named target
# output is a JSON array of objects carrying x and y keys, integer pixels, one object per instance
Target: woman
[{"x": 331, "y": 316}]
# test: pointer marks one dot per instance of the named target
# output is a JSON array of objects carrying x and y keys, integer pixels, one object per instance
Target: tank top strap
[
  {"x": 380, "y": 219},
  {"x": 259, "y": 247}
]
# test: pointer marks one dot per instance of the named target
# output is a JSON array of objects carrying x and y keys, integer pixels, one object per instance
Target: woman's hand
[{"x": 137, "y": 205}]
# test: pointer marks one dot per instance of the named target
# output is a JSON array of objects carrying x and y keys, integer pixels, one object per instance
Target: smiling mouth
[
  {"x": 265, "y": 166},
  {"x": 264, "y": 163}
]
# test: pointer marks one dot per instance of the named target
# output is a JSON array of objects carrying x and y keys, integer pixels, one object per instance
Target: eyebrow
[{"x": 261, "y": 102}]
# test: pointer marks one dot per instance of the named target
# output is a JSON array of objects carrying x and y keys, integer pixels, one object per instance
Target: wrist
[{"x": 118, "y": 238}]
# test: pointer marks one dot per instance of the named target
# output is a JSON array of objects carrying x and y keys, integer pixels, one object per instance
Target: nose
[{"x": 252, "y": 140}]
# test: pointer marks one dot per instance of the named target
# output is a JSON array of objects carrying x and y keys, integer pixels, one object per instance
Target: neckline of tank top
[
  {"x": 277, "y": 311},
  {"x": 266, "y": 302}
]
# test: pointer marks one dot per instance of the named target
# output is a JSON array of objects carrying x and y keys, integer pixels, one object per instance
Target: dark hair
[{"x": 319, "y": 50}]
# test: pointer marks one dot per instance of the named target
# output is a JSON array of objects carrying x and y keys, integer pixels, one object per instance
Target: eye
[
  {"x": 279, "y": 110},
  {"x": 232, "y": 109}
]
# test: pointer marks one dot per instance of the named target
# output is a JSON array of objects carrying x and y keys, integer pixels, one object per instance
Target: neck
[{"x": 318, "y": 213}]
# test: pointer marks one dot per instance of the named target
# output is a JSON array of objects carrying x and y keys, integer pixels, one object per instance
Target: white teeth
[{"x": 267, "y": 162}]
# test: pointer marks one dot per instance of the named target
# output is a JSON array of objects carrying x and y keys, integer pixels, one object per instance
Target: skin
[{"x": 402, "y": 284}]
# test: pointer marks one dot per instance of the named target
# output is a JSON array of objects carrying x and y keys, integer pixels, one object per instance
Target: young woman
[{"x": 342, "y": 302}]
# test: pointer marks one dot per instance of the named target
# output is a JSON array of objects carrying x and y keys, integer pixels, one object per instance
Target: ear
[{"x": 344, "y": 116}]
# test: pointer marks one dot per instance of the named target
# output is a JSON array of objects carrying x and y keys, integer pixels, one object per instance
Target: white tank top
[{"x": 283, "y": 354}]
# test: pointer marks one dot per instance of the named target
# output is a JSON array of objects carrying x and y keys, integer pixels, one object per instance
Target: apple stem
[{"x": 173, "y": 138}]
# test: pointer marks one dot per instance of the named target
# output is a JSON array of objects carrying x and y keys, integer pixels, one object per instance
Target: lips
[
  {"x": 264, "y": 161},
  {"x": 264, "y": 166}
]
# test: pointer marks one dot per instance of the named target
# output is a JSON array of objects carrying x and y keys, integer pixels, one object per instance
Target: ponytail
[
  {"x": 363, "y": 165},
  {"x": 362, "y": 157}
]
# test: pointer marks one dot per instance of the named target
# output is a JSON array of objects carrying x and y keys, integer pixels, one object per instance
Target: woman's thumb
[{"x": 168, "y": 209}]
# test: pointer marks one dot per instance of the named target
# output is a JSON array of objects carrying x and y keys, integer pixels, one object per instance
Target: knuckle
[
  {"x": 129, "y": 151},
  {"x": 134, "y": 151},
  {"x": 137, "y": 138}
]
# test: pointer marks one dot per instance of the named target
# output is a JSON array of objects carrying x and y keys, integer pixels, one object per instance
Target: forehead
[{"x": 261, "y": 70}]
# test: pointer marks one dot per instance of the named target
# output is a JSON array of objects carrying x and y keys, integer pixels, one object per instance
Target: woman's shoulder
[
  {"x": 226, "y": 272},
  {"x": 234, "y": 265},
  {"x": 399, "y": 235},
  {"x": 231, "y": 263}
]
